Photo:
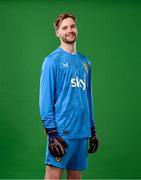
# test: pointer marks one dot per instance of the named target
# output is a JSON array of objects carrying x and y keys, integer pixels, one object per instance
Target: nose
[{"x": 70, "y": 29}]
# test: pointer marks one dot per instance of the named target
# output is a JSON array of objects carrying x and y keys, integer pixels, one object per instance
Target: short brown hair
[{"x": 61, "y": 17}]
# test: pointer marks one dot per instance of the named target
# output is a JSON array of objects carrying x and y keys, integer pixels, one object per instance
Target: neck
[{"x": 71, "y": 48}]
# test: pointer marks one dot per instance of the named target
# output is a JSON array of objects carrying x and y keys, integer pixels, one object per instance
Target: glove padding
[
  {"x": 56, "y": 145},
  {"x": 93, "y": 142}
]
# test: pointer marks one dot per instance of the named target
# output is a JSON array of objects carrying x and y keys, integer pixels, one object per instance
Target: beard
[{"x": 67, "y": 40}]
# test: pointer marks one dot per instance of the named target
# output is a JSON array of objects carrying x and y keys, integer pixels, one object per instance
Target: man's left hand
[{"x": 93, "y": 142}]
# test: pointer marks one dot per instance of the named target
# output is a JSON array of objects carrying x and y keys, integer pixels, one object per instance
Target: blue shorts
[{"x": 76, "y": 157}]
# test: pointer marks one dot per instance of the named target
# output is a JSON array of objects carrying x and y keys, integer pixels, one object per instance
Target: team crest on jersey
[{"x": 86, "y": 67}]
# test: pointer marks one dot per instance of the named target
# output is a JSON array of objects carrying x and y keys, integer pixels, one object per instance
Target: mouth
[{"x": 70, "y": 35}]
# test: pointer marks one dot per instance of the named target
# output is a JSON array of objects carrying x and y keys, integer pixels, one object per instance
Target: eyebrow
[{"x": 67, "y": 26}]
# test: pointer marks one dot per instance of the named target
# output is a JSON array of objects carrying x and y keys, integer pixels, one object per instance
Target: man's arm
[
  {"x": 57, "y": 145},
  {"x": 93, "y": 140},
  {"x": 47, "y": 91},
  {"x": 90, "y": 96}
]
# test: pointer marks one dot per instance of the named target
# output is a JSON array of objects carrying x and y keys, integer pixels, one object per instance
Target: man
[{"x": 66, "y": 106}]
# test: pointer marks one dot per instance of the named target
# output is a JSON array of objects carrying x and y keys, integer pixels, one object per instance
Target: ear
[{"x": 57, "y": 33}]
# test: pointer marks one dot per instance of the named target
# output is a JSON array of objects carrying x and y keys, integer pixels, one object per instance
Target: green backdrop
[{"x": 109, "y": 35}]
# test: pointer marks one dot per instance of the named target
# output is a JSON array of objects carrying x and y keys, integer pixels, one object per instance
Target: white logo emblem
[
  {"x": 76, "y": 82},
  {"x": 65, "y": 65}
]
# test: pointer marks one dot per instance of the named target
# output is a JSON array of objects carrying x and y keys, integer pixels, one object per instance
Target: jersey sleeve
[
  {"x": 47, "y": 92},
  {"x": 90, "y": 98}
]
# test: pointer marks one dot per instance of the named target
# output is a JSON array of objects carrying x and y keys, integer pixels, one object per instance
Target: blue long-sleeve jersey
[{"x": 65, "y": 99}]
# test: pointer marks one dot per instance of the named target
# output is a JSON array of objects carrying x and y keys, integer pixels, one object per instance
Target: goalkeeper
[{"x": 66, "y": 106}]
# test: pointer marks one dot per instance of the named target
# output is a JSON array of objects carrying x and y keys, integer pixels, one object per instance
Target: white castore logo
[
  {"x": 65, "y": 65},
  {"x": 76, "y": 82}
]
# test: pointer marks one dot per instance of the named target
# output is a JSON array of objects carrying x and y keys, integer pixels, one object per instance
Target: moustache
[{"x": 67, "y": 35}]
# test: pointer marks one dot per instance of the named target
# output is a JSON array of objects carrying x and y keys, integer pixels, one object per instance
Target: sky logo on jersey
[{"x": 76, "y": 82}]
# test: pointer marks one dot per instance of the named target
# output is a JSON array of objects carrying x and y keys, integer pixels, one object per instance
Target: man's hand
[
  {"x": 93, "y": 142},
  {"x": 57, "y": 145}
]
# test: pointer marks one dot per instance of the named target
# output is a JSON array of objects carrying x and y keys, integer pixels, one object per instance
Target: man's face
[{"x": 67, "y": 31}]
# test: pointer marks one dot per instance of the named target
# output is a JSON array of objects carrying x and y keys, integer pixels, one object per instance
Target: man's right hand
[{"x": 57, "y": 144}]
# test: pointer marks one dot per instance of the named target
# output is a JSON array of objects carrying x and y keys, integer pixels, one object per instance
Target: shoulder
[
  {"x": 52, "y": 58},
  {"x": 84, "y": 58},
  {"x": 55, "y": 55}
]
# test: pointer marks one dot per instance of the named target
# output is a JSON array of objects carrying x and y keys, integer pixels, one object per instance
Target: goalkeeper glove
[
  {"x": 57, "y": 145},
  {"x": 93, "y": 142}
]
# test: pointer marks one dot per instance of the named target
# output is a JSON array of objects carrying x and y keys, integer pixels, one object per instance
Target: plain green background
[{"x": 109, "y": 35}]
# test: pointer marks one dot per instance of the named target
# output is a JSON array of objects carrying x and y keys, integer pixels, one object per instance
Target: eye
[
  {"x": 64, "y": 28},
  {"x": 73, "y": 26}
]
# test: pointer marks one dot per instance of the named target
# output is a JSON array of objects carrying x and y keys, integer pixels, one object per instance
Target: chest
[{"x": 68, "y": 67}]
